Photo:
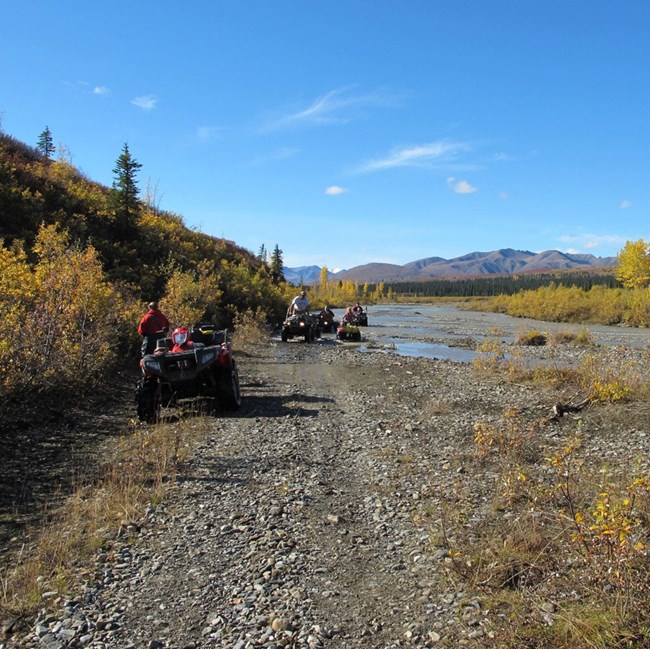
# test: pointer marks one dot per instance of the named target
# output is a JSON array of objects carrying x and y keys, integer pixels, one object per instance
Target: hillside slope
[{"x": 35, "y": 191}]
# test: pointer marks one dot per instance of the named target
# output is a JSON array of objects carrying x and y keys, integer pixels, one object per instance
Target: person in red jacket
[{"x": 153, "y": 326}]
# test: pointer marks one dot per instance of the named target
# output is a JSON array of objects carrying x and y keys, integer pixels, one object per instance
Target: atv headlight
[
  {"x": 207, "y": 357},
  {"x": 152, "y": 365},
  {"x": 302, "y": 324}
]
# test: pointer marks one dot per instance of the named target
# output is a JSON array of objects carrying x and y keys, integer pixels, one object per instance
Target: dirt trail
[
  {"x": 355, "y": 581},
  {"x": 311, "y": 517}
]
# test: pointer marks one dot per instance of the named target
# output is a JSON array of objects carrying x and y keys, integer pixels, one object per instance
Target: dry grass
[
  {"x": 558, "y": 551},
  {"x": 531, "y": 338},
  {"x": 145, "y": 462},
  {"x": 250, "y": 330}
]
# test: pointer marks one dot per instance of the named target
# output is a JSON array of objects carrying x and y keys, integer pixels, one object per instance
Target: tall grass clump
[
  {"x": 144, "y": 464},
  {"x": 250, "y": 329}
]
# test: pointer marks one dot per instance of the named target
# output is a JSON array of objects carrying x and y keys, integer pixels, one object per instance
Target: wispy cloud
[
  {"x": 504, "y": 196},
  {"x": 592, "y": 241},
  {"x": 87, "y": 87},
  {"x": 413, "y": 156},
  {"x": 283, "y": 153},
  {"x": 146, "y": 102},
  {"x": 335, "y": 190},
  {"x": 208, "y": 132},
  {"x": 460, "y": 186},
  {"x": 626, "y": 204},
  {"x": 338, "y": 106}
]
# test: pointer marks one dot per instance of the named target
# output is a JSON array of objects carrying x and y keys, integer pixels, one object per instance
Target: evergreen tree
[
  {"x": 263, "y": 254},
  {"x": 45, "y": 144},
  {"x": 277, "y": 265},
  {"x": 124, "y": 198}
]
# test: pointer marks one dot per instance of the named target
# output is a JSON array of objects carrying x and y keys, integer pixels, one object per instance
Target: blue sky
[{"x": 352, "y": 131}]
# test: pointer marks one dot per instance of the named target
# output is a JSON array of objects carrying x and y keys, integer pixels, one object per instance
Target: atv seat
[
  {"x": 163, "y": 345},
  {"x": 208, "y": 336}
]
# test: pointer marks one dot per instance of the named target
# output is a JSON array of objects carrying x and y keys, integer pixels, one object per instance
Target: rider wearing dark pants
[{"x": 153, "y": 326}]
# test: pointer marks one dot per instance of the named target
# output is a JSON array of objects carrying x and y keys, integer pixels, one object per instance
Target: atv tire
[
  {"x": 230, "y": 398},
  {"x": 147, "y": 401}
]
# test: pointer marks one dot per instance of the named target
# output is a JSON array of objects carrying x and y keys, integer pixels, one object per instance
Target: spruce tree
[
  {"x": 45, "y": 144},
  {"x": 277, "y": 265},
  {"x": 124, "y": 198}
]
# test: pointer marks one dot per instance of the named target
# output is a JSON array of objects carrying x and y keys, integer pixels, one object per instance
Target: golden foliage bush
[
  {"x": 191, "y": 297},
  {"x": 59, "y": 316},
  {"x": 633, "y": 268},
  {"x": 555, "y": 303}
]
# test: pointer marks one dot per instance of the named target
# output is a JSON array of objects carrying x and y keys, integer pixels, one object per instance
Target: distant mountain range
[
  {"x": 304, "y": 274},
  {"x": 475, "y": 264}
]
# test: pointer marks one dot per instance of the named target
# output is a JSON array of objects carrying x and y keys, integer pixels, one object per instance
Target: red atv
[
  {"x": 203, "y": 368},
  {"x": 348, "y": 332}
]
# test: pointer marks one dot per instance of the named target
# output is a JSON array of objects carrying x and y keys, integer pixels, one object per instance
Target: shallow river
[{"x": 434, "y": 331}]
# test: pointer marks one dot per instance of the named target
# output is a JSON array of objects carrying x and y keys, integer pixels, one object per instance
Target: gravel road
[{"x": 310, "y": 517}]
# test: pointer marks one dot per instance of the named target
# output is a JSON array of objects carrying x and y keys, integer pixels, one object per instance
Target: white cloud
[
  {"x": 460, "y": 186},
  {"x": 337, "y": 106},
  {"x": 335, "y": 190},
  {"x": 146, "y": 102},
  {"x": 625, "y": 205},
  {"x": 101, "y": 90},
  {"x": 411, "y": 156}
]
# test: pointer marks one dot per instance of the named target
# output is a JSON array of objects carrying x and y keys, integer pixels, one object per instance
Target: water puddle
[{"x": 424, "y": 350}]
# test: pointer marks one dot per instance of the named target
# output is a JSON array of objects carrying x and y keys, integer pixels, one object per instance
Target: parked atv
[
  {"x": 326, "y": 322},
  {"x": 348, "y": 332},
  {"x": 360, "y": 318},
  {"x": 208, "y": 370},
  {"x": 300, "y": 324}
]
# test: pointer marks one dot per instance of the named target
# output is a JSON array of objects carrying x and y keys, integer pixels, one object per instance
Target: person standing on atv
[
  {"x": 153, "y": 326},
  {"x": 357, "y": 309},
  {"x": 300, "y": 303}
]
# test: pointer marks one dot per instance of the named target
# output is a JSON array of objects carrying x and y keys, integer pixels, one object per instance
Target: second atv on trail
[
  {"x": 300, "y": 324},
  {"x": 207, "y": 370}
]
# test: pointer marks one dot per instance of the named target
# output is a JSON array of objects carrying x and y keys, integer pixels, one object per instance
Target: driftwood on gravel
[{"x": 561, "y": 409}]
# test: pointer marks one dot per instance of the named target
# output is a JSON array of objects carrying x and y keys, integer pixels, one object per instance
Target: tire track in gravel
[{"x": 358, "y": 583}]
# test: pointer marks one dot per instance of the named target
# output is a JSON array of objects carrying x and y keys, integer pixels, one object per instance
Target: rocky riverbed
[{"x": 312, "y": 517}]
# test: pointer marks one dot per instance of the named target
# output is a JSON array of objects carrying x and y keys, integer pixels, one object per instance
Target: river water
[{"x": 441, "y": 331}]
